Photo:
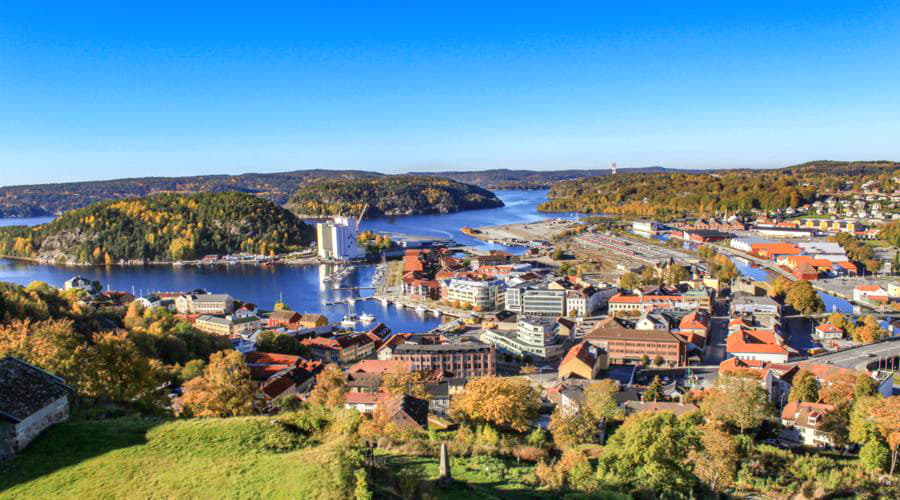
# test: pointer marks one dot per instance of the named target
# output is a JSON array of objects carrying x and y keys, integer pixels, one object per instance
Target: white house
[
  {"x": 803, "y": 423},
  {"x": 863, "y": 293}
]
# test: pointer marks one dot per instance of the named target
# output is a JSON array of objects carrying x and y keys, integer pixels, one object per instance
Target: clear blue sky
[{"x": 111, "y": 90}]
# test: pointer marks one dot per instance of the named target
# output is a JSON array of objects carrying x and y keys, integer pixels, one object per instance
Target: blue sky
[{"x": 111, "y": 90}]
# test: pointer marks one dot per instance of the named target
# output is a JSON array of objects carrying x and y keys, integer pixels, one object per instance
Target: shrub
[{"x": 530, "y": 453}]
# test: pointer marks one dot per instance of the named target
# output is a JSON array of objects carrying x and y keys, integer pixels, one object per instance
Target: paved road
[{"x": 718, "y": 330}]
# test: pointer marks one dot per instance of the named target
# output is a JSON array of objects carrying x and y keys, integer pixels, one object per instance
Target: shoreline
[{"x": 306, "y": 261}]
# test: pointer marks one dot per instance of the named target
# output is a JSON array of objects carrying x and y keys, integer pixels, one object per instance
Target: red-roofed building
[
  {"x": 772, "y": 251},
  {"x": 828, "y": 331},
  {"x": 757, "y": 345},
  {"x": 694, "y": 328},
  {"x": 296, "y": 380},
  {"x": 863, "y": 293},
  {"x": 381, "y": 367}
]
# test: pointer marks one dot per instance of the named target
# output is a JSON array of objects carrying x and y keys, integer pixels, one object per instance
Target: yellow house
[{"x": 312, "y": 321}]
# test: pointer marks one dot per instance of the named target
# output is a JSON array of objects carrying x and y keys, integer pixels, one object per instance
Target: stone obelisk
[{"x": 445, "y": 477}]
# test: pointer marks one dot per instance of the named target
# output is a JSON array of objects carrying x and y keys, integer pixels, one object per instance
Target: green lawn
[
  {"x": 474, "y": 477},
  {"x": 133, "y": 457}
]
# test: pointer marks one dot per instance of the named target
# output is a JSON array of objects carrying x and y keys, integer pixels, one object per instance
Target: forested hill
[
  {"x": 161, "y": 227},
  {"x": 390, "y": 195},
  {"x": 47, "y": 199},
  {"x": 530, "y": 179},
  {"x": 667, "y": 195}
]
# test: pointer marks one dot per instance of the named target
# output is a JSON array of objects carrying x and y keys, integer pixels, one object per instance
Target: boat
[
  {"x": 366, "y": 318},
  {"x": 351, "y": 300},
  {"x": 420, "y": 309},
  {"x": 349, "y": 321}
]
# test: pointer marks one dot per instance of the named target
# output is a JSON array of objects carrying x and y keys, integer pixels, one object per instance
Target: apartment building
[
  {"x": 479, "y": 294},
  {"x": 463, "y": 359}
]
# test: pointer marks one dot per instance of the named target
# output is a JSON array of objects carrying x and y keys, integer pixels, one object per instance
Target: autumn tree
[
  {"x": 862, "y": 428},
  {"x": 865, "y": 386},
  {"x": 331, "y": 385},
  {"x": 115, "y": 370},
  {"x": 805, "y": 387},
  {"x": 570, "y": 428},
  {"x": 504, "y": 402},
  {"x": 838, "y": 389},
  {"x": 648, "y": 454},
  {"x": 868, "y": 331},
  {"x": 839, "y": 320},
  {"x": 780, "y": 287},
  {"x": 737, "y": 400},
  {"x": 653, "y": 392},
  {"x": 715, "y": 463},
  {"x": 412, "y": 383},
  {"x": 280, "y": 343},
  {"x": 224, "y": 389},
  {"x": 629, "y": 281},
  {"x": 887, "y": 420},
  {"x": 600, "y": 402},
  {"x": 803, "y": 298}
]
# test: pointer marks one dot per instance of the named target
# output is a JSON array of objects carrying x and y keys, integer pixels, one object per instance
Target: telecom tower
[{"x": 614, "y": 168}]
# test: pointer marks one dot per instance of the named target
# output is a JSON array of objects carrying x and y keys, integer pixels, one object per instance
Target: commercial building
[
  {"x": 627, "y": 346},
  {"x": 337, "y": 239}
]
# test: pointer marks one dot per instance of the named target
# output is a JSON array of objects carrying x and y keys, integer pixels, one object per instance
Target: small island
[
  {"x": 160, "y": 228},
  {"x": 389, "y": 195}
]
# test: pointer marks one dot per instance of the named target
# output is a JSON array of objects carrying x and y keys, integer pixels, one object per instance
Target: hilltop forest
[
  {"x": 390, "y": 195},
  {"x": 672, "y": 195},
  {"x": 160, "y": 228}
]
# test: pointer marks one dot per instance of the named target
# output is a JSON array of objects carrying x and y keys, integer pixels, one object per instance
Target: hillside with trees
[
  {"x": 54, "y": 199},
  {"x": 390, "y": 195},
  {"x": 671, "y": 195},
  {"x": 159, "y": 228},
  {"x": 503, "y": 178}
]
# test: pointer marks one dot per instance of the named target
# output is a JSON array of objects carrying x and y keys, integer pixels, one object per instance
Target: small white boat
[
  {"x": 351, "y": 300},
  {"x": 366, "y": 318},
  {"x": 420, "y": 309},
  {"x": 349, "y": 321}
]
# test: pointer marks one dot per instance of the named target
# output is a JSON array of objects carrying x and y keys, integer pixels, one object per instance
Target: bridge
[{"x": 884, "y": 354}]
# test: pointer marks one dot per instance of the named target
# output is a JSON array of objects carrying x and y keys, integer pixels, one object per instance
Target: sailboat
[{"x": 350, "y": 318}]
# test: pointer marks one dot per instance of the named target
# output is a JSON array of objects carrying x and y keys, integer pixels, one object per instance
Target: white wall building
[{"x": 337, "y": 239}]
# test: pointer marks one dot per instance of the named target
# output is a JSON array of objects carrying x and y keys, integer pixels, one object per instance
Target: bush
[{"x": 530, "y": 453}]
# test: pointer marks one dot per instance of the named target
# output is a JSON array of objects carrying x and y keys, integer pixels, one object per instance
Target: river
[{"x": 300, "y": 286}]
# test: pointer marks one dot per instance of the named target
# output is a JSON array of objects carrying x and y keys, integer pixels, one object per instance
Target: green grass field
[{"x": 151, "y": 458}]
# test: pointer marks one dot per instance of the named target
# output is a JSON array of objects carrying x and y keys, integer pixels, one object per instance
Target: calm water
[{"x": 301, "y": 286}]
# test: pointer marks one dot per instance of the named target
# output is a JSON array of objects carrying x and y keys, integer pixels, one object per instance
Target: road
[{"x": 718, "y": 330}]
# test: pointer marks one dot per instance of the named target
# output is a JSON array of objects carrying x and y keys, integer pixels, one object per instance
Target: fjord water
[{"x": 301, "y": 286}]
